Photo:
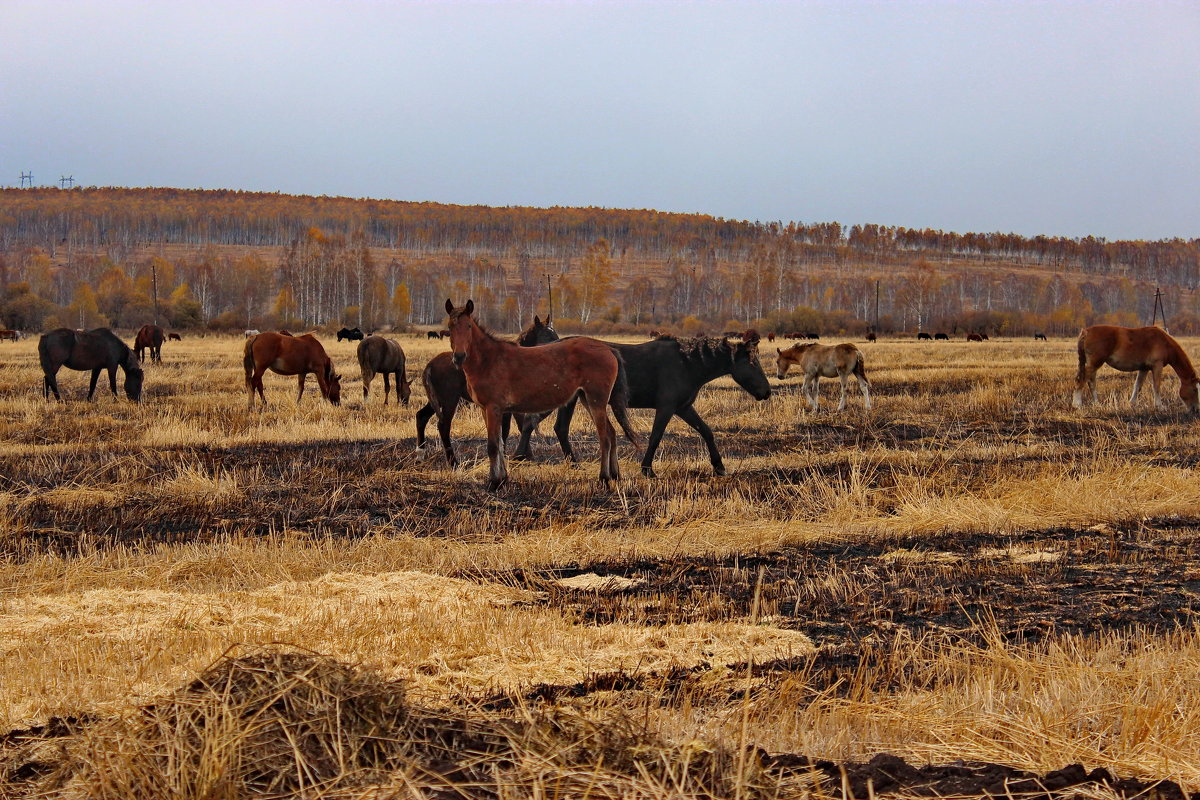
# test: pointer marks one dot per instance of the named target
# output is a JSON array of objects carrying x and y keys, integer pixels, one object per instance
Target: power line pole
[
  {"x": 549, "y": 294},
  {"x": 1159, "y": 308},
  {"x": 876, "y": 328},
  {"x": 154, "y": 283},
  {"x": 26, "y": 180},
  {"x": 66, "y": 181}
]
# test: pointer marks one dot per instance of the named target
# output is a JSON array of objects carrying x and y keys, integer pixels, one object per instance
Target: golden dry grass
[{"x": 137, "y": 543}]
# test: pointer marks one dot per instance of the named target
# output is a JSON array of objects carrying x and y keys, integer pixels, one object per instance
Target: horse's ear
[
  {"x": 537, "y": 321},
  {"x": 449, "y": 306},
  {"x": 469, "y": 308}
]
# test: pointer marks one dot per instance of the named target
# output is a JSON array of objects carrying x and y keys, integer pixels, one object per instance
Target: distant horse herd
[{"x": 540, "y": 373}]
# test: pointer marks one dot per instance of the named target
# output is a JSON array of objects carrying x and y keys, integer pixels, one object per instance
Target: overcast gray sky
[{"x": 1057, "y": 118}]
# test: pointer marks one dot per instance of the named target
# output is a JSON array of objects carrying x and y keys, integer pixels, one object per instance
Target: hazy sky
[{"x": 1058, "y": 118}]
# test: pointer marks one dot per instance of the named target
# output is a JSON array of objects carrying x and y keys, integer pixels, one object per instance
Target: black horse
[
  {"x": 83, "y": 350},
  {"x": 1039, "y": 337},
  {"x": 350, "y": 335},
  {"x": 433, "y": 334},
  {"x": 446, "y": 387},
  {"x": 667, "y": 374}
]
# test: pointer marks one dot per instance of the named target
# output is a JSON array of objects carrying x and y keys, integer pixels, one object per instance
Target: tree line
[{"x": 230, "y": 259}]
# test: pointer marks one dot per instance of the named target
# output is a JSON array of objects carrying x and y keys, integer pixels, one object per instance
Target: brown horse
[
  {"x": 380, "y": 356},
  {"x": 95, "y": 350},
  {"x": 505, "y": 377},
  {"x": 9, "y": 334},
  {"x": 174, "y": 337},
  {"x": 149, "y": 337},
  {"x": 289, "y": 355},
  {"x": 818, "y": 361},
  {"x": 1140, "y": 350}
]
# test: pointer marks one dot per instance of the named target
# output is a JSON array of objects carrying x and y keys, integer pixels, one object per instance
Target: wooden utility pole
[
  {"x": 1159, "y": 308},
  {"x": 876, "y": 328},
  {"x": 550, "y": 295},
  {"x": 154, "y": 284}
]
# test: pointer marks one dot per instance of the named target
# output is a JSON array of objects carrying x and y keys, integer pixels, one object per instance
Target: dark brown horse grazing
[
  {"x": 94, "y": 350},
  {"x": 505, "y": 377},
  {"x": 149, "y": 337},
  {"x": 9, "y": 334},
  {"x": 1140, "y": 350},
  {"x": 174, "y": 337},
  {"x": 289, "y": 355},
  {"x": 380, "y": 356}
]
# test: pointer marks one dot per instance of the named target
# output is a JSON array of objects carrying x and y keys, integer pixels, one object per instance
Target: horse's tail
[
  {"x": 431, "y": 392},
  {"x": 619, "y": 401},
  {"x": 248, "y": 359},
  {"x": 860, "y": 369},
  {"x": 1081, "y": 347}
]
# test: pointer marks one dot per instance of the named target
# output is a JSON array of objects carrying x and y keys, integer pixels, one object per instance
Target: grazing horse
[
  {"x": 1140, "y": 350},
  {"x": 974, "y": 337},
  {"x": 433, "y": 334},
  {"x": 941, "y": 337},
  {"x": 350, "y": 334},
  {"x": 289, "y": 355},
  {"x": 871, "y": 337},
  {"x": 9, "y": 334},
  {"x": 1039, "y": 337},
  {"x": 380, "y": 356},
  {"x": 923, "y": 336},
  {"x": 174, "y": 337},
  {"x": 667, "y": 375},
  {"x": 149, "y": 337},
  {"x": 505, "y": 377},
  {"x": 95, "y": 350},
  {"x": 826, "y": 361}
]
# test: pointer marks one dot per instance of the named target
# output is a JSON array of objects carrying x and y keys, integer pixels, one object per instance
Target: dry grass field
[{"x": 197, "y": 601}]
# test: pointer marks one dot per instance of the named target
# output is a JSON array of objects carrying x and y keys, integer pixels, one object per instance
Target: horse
[
  {"x": 922, "y": 336},
  {"x": 380, "y": 356},
  {"x": 974, "y": 337},
  {"x": 826, "y": 361},
  {"x": 667, "y": 375},
  {"x": 1140, "y": 350},
  {"x": 149, "y": 337},
  {"x": 770, "y": 337},
  {"x": 941, "y": 337},
  {"x": 98, "y": 349},
  {"x": 1039, "y": 337},
  {"x": 446, "y": 387},
  {"x": 174, "y": 337},
  {"x": 289, "y": 355},
  {"x": 350, "y": 334},
  {"x": 10, "y": 334},
  {"x": 251, "y": 332},
  {"x": 505, "y": 377},
  {"x": 433, "y": 334},
  {"x": 871, "y": 337},
  {"x": 812, "y": 335}
]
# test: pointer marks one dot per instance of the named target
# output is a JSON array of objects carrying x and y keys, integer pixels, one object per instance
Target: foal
[
  {"x": 505, "y": 377},
  {"x": 1140, "y": 350},
  {"x": 818, "y": 361}
]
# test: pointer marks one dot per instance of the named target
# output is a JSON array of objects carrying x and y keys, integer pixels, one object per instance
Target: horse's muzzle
[{"x": 459, "y": 358}]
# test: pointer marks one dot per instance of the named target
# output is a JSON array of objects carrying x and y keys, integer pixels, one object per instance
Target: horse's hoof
[
  {"x": 494, "y": 484},
  {"x": 649, "y": 472},
  {"x": 518, "y": 457},
  {"x": 719, "y": 472}
]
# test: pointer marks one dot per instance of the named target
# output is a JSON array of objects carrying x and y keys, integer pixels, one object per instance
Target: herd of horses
[{"x": 540, "y": 373}]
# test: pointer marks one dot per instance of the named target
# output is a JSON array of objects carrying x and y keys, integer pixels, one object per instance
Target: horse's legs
[
  {"x": 444, "y": 420},
  {"x": 845, "y": 380},
  {"x": 387, "y": 388},
  {"x": 1156, "y": 384},
  {"x": 662, "y": 416},
  {"x": 300, "y": 394},
  {"x": 423, "y": 415},
  {"x": 367, "y": 377},
  {"x": 50, "y": 384},
  {"x": 688, "y": 414},
  {"x": 864, "y": 388},
  {"x": 562, "y": 429},
  {"x": 1137, "y": 385},
  {"x": 112, "y": 379},
  {"x": 498, "y": 472},
  {"x": 606, "y": 436},
  {"x": 257, "y": 384},
  {"x": 92, "y": 387},
  {"x": 812, "y": 388}
]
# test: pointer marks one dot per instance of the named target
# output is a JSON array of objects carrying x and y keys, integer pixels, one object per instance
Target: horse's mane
[
  {"x": 1180, "y": 362},
  {"x": 701, "y": 348}
]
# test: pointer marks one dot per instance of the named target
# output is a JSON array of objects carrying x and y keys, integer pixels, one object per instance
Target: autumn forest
[{"x": 228, "y": 260}]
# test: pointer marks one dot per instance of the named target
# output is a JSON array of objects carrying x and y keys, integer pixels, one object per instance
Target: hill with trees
[{"x": 229, "y": 259}]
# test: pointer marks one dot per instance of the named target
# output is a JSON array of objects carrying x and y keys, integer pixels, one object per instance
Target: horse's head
[
  {"x": 333, "y": 385},
  {"x": 747, "y": 370},
  {"x": 785, "y": 358},
  {"x": 538, "y": 333},
  {"x": 1189, "y": 392},
  {"x": 404, "y": 388},
  {"x": 133, "y": 382},
  {"x": 460, "y": 325}
]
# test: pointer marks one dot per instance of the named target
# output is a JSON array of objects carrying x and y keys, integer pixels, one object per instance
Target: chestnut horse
[
  {"x": 289, "y": 355},
  {"x": 1140, "y": 350},
  {"x": 818, "y": 361},
  {"x": 503, "y": 377},
  {"x": 149, "y": 337}
]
